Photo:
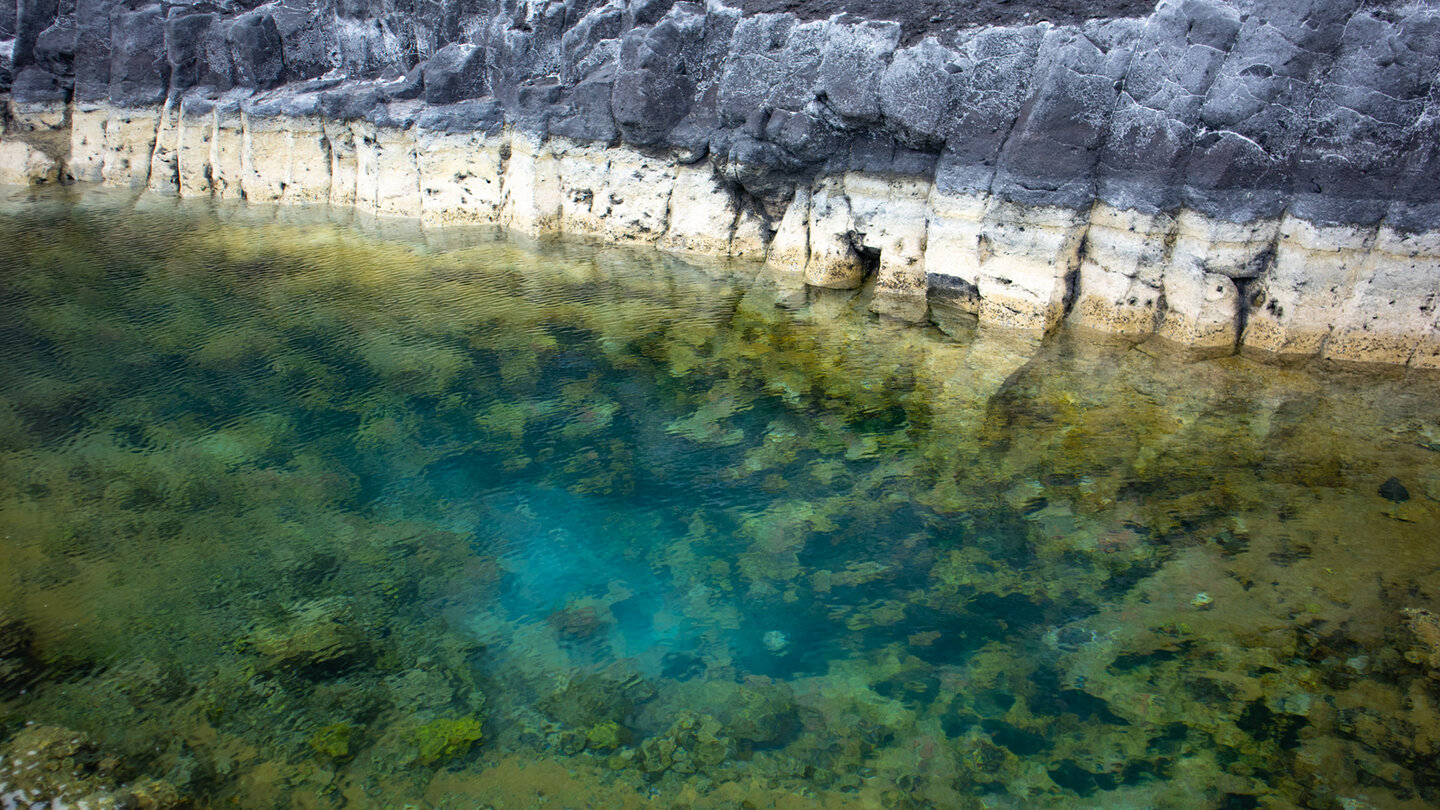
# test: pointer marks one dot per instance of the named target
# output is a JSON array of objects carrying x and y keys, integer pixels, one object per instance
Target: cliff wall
[{"x": 1223, "y": 174}]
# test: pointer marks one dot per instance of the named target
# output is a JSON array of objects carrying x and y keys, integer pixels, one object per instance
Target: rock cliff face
[{"x": 1260, "y": 174}]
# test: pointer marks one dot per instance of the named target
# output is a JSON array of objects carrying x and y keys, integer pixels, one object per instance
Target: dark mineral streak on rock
[{"x": 1240, "y": 109}]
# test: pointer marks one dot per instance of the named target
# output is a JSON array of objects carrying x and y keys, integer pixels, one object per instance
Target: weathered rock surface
[
  {"x": 51, "y": 766},
  {"x": 1216, "y": 173}
]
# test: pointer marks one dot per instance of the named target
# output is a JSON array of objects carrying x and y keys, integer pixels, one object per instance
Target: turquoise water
[{"x": 304, "y": 510}]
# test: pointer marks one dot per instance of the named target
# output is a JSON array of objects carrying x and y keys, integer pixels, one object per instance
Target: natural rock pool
[{"x": 300, "y": 511}]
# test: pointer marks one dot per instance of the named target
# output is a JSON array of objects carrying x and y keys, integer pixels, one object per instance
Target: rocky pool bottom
[{"x": 302, "y": 511}]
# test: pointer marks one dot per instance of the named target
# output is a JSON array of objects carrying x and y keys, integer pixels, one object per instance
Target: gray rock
[
  {"x": 139, "y": 67},
  {"x": 992, "y": 80},
  {"x": 92, "y": 49},
  {"x": 646, "y": 12},
  {"x": 307, "y": 42},
  {"x": 476, "y": 115},
  {"x": 655, "y": 84},
  {"x": 1050, "y": 156},
  {"x": 31, "y": 18},
  {"x": 36, "y": 85},
  {"x": 455, "y": 73},
  {"x": 763, "y": 169},
  {"x": 536, "y": 102},
  {"x": 809, "y": 135},
  {"x": 292, "y": 101},
  {"x": 257, "y": 51},
  {"x": 691, "y": 137},
  {"x": 720, "y": 23},
  {"x": 1252, "y": 119},
  {"x": 351, "y": 103},
  {"x": 592, "y": 42},
  {"x": 854, "y": 61},
  {"x": 1156, "y": 116},
  {"x": 756, "y": 65},
  {"x": 1364, "y": 115},
  {"x": 586, "y": 115},
  {"x": 7, "y": 19},
  {"x": 186, "y": 38},
  {"x": 408, "y": 87},
  {"x": 917, "y": 90},
  {"x": 55, "y": 48}
]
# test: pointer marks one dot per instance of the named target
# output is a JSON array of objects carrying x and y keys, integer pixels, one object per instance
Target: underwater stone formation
[{"x": 1221, "y": 174}]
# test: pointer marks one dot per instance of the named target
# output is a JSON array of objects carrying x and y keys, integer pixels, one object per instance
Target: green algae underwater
[{"x": 300, "y": 510}]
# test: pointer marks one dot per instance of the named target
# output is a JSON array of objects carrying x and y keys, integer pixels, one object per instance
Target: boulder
[
  {"x": 454, "y": 73},
  {"x": 257, "y": 51}
]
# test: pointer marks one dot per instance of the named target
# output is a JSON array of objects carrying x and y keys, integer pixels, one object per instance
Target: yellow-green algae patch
[{"x": 297, "y": 511}]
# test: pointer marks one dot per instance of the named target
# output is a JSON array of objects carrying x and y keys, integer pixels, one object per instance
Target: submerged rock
[
  {"x": 593, "y": 700},
  {"x": 1425, "y": 627},
  {"x": 321, "y": 637},
  {"x": 757, "y": 712},
  {"x": 51, "y": 766}
]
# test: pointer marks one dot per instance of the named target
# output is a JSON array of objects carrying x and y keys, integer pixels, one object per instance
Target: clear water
[{"x": 301, "y": 511}]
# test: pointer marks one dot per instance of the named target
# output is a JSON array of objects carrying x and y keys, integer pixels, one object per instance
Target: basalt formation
[{"x": 1244, "y": 174}]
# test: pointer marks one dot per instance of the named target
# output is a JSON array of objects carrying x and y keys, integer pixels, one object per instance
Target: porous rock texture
[{"x": 1221, "y": 174}]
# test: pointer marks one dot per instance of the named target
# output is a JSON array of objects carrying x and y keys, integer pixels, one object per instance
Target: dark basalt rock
[
  {"x": 1238, "y": 108},
  {"x": 54, "y": 49},
  {"x": 1393, "y": 490},
  {"x": 92, "y": 49},
  {"x": 1360, "y": 118},
  {"x": 454, "y": 73},
  {"x": 655, "y": 84},
  {"x": 188, "y": 45},
  {"x": 1156, "y": 116},
  {"x": 257, "y": 51},
  {"x": 35, "y": 85},
  {"x": 852, "y": 64},
  {"x": 477, "y": 115},
  {"x": 586, "y": 114},
  {"x": 347, "y": 103},
  {"x": 139, "y": 66},
  {"x": 920, "y": 18},
  {"x": 1051, "y": 155},
  {"x": 7, "y": 20},
  {"x": 31, "y": 18}
]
